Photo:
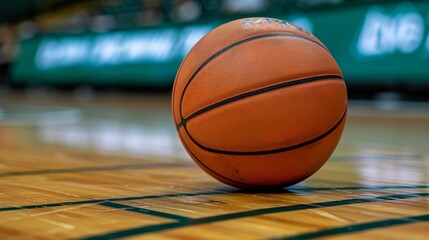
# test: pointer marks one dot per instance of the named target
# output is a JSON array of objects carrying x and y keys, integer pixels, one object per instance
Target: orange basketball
[{"x": 259, "y": 103}]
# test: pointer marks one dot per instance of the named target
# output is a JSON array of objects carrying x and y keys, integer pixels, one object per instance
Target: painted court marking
[
  {"x": 93, "y": 169},
  {"x": 358, "y": 227},
  {"x": 182, "y": 221},
  {"x": 214, "y": 192},
  {"x": 257, "y": 212}
]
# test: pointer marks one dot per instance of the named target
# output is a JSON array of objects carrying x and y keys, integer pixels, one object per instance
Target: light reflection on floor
[
  {"x": 115, "y": 137},
  {"x": 370, "y": 172},
  {"x": 370, "y": 133}
]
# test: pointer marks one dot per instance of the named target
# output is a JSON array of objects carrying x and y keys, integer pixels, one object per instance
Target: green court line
[
  {"x": 144, "y": 211},
  {"x": 251, "y": 213},
  {"x": 310, "y": 189},
  {"x": 214, "y": 192},
  {"x": 357, "y": 228},
  {"x": 93, "y": 169},
  {"x": 98, "y": 201}
]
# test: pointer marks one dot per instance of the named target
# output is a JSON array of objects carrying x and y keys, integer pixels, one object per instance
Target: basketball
[
  {"x": 179, "y": 123},
  {"x": 259, "y": 103}
]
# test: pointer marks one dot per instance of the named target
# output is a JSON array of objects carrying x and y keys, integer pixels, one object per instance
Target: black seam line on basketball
[
  {"x": 208, "y": 60},
  {"x": 92, "y": 169},
  {"x": 251, "y": 213},
  {"x": 272, "y": 151},
  {"x": 357, "y": 228},
  {"x": 248, "y": 185},
  {"x": 257, "y": 92},
  {"x": 220, "y": 176},
  {"x": 212, "y": 171},
  {"x": 129, "y": 208},
  {"x": 173, "y": 195}
]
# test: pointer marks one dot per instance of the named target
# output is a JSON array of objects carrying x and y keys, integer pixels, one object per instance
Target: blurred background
[
  {"x": 137, "y": 45},
  {"x": 86, "y": 123},
  {"x": 98, "y": 74}
]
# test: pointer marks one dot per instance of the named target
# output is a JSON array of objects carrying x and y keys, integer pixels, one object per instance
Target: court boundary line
[
  {"x": 94, "y": 169},
  {"x": 98, "y": 201},
  {"x": 357, "y": 228},
  {"x": 250, "y": 213},
  {"x": 214, "y": 192},
  {"x": 146, "y": 211}
]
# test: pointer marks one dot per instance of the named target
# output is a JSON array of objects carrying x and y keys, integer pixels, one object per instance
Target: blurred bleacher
[{"x": 380, "y": 45}]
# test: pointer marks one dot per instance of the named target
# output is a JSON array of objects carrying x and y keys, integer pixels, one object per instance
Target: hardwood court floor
[{"x": 111, "y": 166}]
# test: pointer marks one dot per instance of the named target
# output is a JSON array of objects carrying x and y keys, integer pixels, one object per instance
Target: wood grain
[{"x": 115, "y": 169}]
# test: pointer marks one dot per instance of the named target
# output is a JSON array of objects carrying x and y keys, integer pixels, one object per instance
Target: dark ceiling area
[{"x": 16, "y": 10}]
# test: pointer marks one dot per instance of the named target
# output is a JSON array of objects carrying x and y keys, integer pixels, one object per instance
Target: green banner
[
  {"x": 380, "y": 43},
  {"x": 139, "y": 57},
  {"x": 383, "y": 43}
]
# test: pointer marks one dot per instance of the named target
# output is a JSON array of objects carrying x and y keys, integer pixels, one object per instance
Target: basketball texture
[{"x": 259, "y": 103}]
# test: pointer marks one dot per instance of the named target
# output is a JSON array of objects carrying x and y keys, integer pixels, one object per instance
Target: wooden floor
[{"x": 85, "y": 166}]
